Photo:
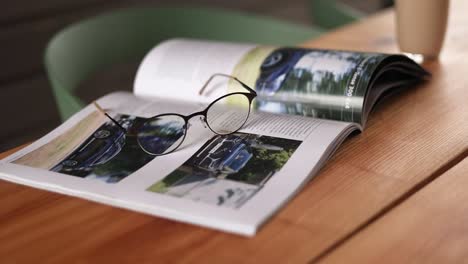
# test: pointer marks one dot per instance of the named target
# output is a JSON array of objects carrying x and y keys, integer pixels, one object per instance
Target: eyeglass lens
[
  {"x": 162, "y": 134},
  {"x": 228, "y": 114}
]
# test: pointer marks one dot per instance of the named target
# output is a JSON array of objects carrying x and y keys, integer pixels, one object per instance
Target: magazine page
[
  {"x": 324, "y": 84},
  {"x": 232, "y": 182}
]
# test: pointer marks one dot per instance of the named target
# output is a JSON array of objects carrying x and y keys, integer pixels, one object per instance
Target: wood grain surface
[
  {"x": 430, "y": 227},
  {"x": 411, "y": 139}
]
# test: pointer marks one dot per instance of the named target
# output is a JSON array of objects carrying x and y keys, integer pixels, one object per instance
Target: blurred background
[{"x": 26, "y": 27}]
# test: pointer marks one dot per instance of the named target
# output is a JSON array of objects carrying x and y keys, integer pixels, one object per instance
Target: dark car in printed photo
[
  {"x": 98, "y": 149},
  {"x": 275, "y": 68},
  {"x": 225, "y": 155}
]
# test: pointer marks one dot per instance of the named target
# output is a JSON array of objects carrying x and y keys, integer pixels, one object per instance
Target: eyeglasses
[{"x": 164, "y": 133}]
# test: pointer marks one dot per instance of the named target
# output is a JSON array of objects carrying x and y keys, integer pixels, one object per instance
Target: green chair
[
  {"x": 81, "y": 49},
  {"x": 329, "y": 14}
]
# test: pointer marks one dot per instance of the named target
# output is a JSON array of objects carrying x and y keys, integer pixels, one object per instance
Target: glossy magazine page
[
  {"x": 324, "y": 84},
  {"x": 230, "y": 182}
]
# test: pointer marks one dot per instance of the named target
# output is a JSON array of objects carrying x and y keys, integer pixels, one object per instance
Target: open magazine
[{"x": 308, "y": 101}]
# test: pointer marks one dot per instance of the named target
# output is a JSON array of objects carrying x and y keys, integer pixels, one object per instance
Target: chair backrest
[
  {"x": 128, "y": 34},
  {"x": 329, "y": 14}
]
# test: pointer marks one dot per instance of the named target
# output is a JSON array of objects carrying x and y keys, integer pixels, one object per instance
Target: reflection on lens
[
  {"x": 161, "y": 134},
  {"x": 228, "y": 114}
]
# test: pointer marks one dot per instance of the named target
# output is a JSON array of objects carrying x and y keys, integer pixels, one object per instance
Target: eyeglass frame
[{"x": 251, "y": 95}]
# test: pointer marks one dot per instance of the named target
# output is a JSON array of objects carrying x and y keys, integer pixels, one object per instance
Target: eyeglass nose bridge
[
  {"x": 203, "y": 120},
  {"x": 201, "y": 114}
]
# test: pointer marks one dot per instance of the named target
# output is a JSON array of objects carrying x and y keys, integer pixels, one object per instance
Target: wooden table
[{"x": 394, "y": 193}]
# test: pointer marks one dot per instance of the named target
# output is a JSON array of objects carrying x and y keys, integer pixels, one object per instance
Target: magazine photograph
[{"x": 228, "y": 170}]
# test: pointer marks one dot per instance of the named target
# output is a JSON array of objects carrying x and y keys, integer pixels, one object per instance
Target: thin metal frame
[{"x": 251, "y": 94}]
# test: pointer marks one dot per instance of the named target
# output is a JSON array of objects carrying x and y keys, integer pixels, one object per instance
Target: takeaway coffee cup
[{"x": 421, "y": 26}]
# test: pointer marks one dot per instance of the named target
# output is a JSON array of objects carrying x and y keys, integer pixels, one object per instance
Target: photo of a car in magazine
[
  {"x": 109, "y": 154},
  {"x": 233, "y": 167},
  {"x": 314, "y": 83}
]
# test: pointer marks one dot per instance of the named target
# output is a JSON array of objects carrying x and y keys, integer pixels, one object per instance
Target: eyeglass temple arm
[
  {"x": 228, "y": 76},
  {"x": 106, "y": 114}
]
